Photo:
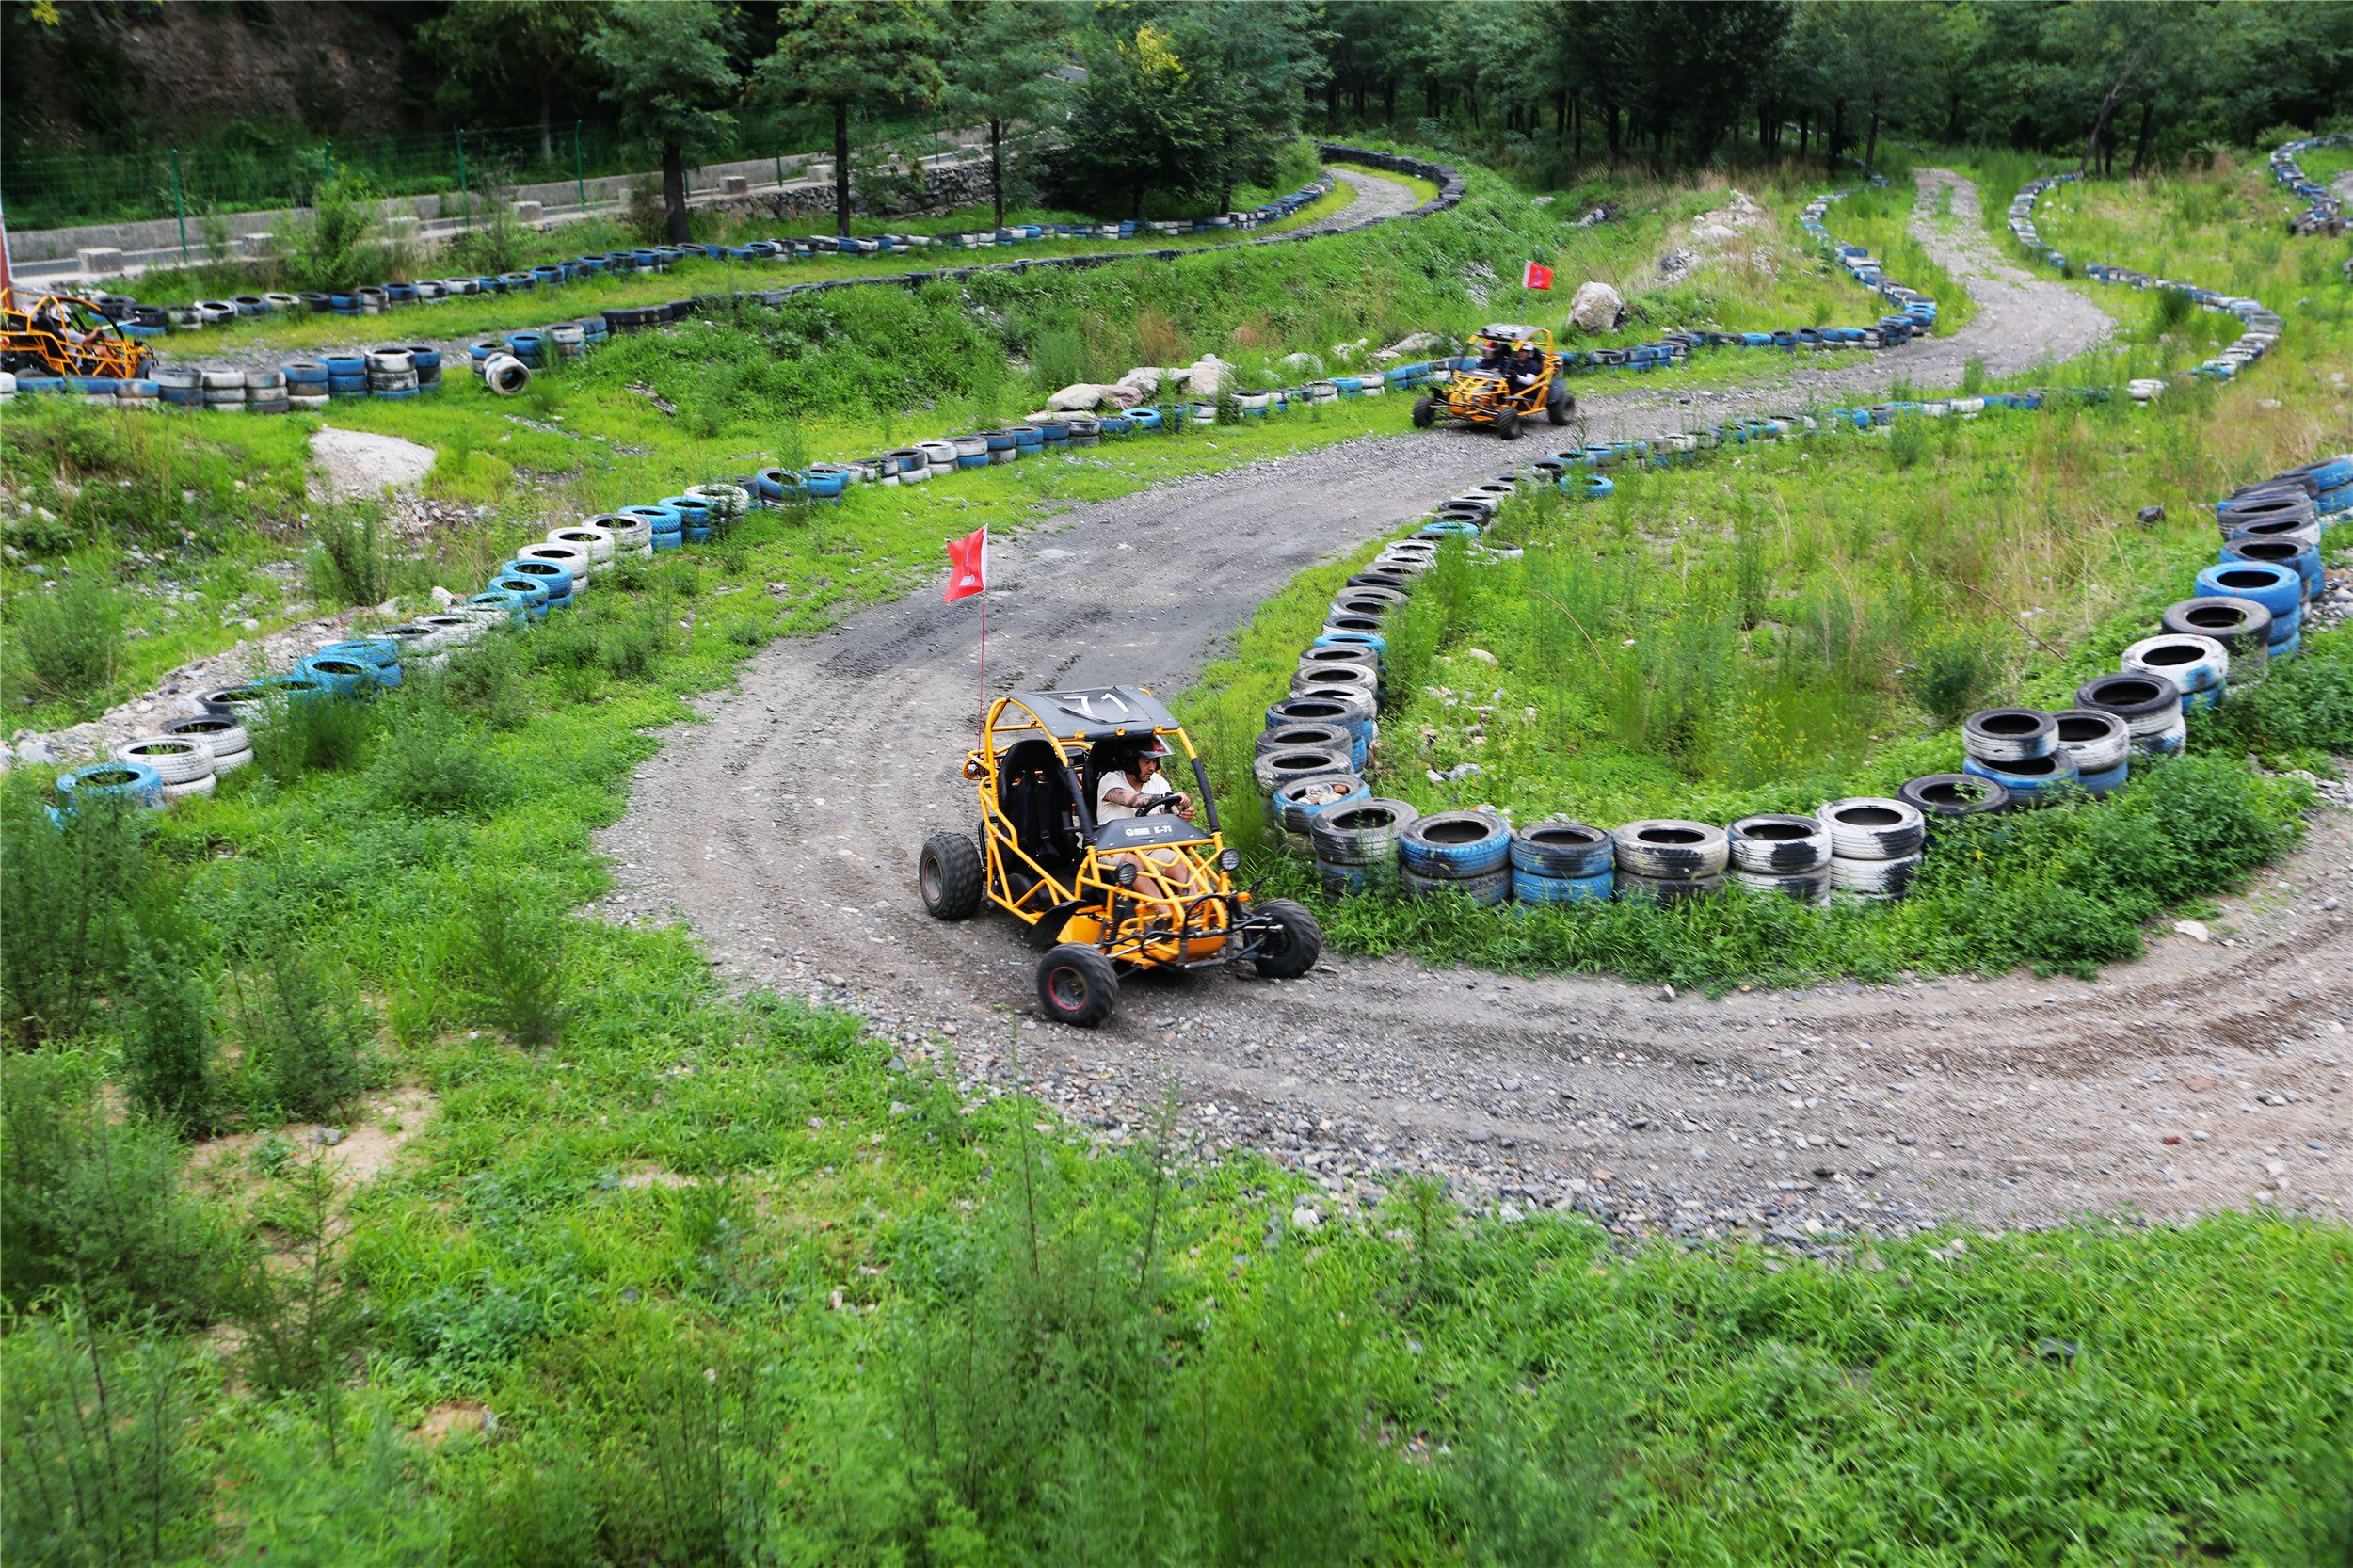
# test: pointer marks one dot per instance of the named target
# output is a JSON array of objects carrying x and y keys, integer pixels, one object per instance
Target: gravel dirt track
[{"x": 2201, "y": 1077}]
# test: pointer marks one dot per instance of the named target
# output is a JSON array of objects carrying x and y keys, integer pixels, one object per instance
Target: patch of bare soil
[{"x": 357, "y": 1151}]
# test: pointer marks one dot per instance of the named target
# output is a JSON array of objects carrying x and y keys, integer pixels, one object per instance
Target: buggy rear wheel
[
  {"x": 1292, "y": 948},
  {"x": 1425, "y": 412},
  {"x": 948, "y": 874},
  {"x": 1561, "y": 405},
  {"x": 1077, "y": 985}
]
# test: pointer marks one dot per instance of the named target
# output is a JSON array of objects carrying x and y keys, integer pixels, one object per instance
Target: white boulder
[
  {"x": 1076, "y": 398},
  {"x": 1597, "y": 309}
]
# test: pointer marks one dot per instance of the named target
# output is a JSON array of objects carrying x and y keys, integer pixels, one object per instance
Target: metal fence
[{"x": 187, "y": 183}]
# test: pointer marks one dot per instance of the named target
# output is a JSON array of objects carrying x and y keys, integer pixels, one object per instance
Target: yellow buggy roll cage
[{"x": 1178, "y": 913}]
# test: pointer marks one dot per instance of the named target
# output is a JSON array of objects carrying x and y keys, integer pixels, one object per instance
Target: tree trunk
[
  {"x": 1871, "y": 149},
  {"x": 1135, "y": 205},
  {"x": 1577, "y": 111},
  {"x": 1389, "y": 100},
  {"x": 997, "y": 166},
  {"x": 1560, "y": 118},
  {"x": 673, "y": 191},
  {"x": 1952, "y": 115},
  {"x": 547, "y": 119},
  {"x": 1765, "y": 131},
  {"x": 842, "y": 168},
  {"x": 2107, "y": 107},
  {"x": 1805, "y": 131},
  {"x": 2140, "y": 149},
  {"x": 1612, "y": 131},
  {"x": 1838, "y": 132}
]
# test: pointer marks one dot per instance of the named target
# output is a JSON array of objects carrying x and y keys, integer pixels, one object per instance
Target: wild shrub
[
  {"x": 167, "y": 1050},
  {"x": 1953, "y": 671},
  {"x": 484, "y": 678},
  {"x": 2306, "y": 705},
  {"x": 351, "y": 559},
  {"x": 90, "y": 1203},
  {"x": 300, "y": 1316},
  {"x": 63, "y": 645},
  {"x": 2170, "y": 310},
  {"x": 311, "y": 732},
  {"x": 432, "y": 761},
  {"x": 518, "y": 964},
  {"x": 1908, "y": 442},
  {"x": 331, "y": 248},
  {"x": 95, "y": 1448},
  {"x": 309, "y": 1034},
  {"x": 69, "y": 888}
]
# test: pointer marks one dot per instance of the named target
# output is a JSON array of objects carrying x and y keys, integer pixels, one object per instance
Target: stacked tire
[
  {"x": 2150, "y": 706},
  {"x": 1355, "y": 843},
  {"x": 224, "y": 734},
  {"x": 2280, "y": 589},
  {"x": 346, "y": 374},
  {"x": 1875, "y": 846},
  {"x": 266, "y": 392},
  {"x": 224, "y": 386},
  {"x": 1560, "y": 861},
  {"x": 2240, "y": 627},
  {"x": 307, "y": 387},
  {"x": 2018, "y": 749},
  {"x": 1667, "y": 860},
  {"x": 391, "y": 373},
  {"x": 1466, "y": 853},
  {"x": 183, "y": 764},
  {"x": 1783, "y": 855}
]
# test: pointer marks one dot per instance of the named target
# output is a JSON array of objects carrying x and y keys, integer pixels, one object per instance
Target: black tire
[
  {"x": 1296, "y": 944},
  {"x": 948, "y": 874},
  {"x": 1077, "y": 985},
  {"x": 1560, "y": 407},
  {"x": 1425, "y": 412},
  {"x": 1508, "y": 424}
]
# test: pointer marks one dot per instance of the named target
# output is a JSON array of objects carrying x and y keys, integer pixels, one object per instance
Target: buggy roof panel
[
  {"x": 1507, "y": 331},
  {"x": 1097, "y": 713}
]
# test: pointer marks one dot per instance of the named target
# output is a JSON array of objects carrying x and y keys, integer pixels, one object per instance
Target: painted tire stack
[
  {"x": 1667, "y": 860},
  {"x": 1355, "y": 843},
  {"x": 226, "y": 737},
  {"x": 1875, "y": 846},
  {"x": 1560, "y": 861},
  {"x": 2018, "y": 749},
  {"x": 183, "y": 764},
  {"x": 1465, "y": 853},
  {"x": 1783, "y": 855},
  {"x": 391, "y": 373}
]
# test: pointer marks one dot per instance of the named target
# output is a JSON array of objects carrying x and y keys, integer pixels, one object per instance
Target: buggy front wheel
[
  {"x": 1508, "y": 424},
  {"x": 1294, "y": 944},
  {"x": 1077, "y": 985},
  {"x": 1425, "y": 412}
]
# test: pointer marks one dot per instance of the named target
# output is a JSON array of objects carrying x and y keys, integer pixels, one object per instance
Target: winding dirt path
[{"x": 2199, "y": 1077}]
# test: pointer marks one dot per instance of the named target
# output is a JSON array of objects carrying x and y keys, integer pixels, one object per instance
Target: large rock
[
  {"x": 1077, "y": 398},
  {"x": 1205, "y": 375},
  {"x": 1124, "y": 396},
  {"x": 1597, "y": 309},
  {"x": 1144, "y": 380},
  {"x": 1303, "y": 365}
]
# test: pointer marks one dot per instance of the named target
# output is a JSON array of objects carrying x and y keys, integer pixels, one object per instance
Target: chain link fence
[{"x": 188, "y": 183}]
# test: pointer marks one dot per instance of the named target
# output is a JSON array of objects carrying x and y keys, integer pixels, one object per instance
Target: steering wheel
[{"x": 1159, "y": 802}]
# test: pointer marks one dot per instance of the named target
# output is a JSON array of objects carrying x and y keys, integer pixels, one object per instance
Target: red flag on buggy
[
  {"x": 968, "y": 566},
  {"x": 1537, "y": 277}
]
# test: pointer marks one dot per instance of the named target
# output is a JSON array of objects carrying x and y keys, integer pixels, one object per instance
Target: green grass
[
  {"x": 741, "y": 1283},
  {"x": 1776, "y": 627}
]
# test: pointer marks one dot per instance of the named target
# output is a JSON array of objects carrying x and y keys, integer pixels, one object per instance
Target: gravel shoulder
[{"x": 2201, "y": 1077}]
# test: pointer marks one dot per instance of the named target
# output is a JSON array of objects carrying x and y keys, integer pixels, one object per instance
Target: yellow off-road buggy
[
  {"x": 1488, "y": 398},
  {"x": 1151, "y": 891},
  {"x": 66, "y": 336}
]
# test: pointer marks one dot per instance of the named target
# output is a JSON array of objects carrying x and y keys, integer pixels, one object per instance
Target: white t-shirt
[{"x": 1106, "y": 812}]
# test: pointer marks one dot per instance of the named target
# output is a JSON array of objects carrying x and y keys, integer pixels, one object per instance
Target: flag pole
[{"x": 984, "y": 658}]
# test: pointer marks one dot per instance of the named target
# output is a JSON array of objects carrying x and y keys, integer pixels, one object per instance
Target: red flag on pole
[
  {"x": 968, "y": 566},
  {"x": 1537, "y": 277}
]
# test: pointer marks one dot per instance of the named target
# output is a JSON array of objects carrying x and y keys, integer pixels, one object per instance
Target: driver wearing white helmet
[{"x": 1123, "y": 792}]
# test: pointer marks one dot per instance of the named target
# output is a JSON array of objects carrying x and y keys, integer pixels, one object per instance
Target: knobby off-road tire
[
  {"x": 1300, "y": 942},
  {"x": 1508, "y": 424},
  {"x": 1425, "y": 413},
  {"x": 948, "y": 874},
  {"x": 1077, "y": 985},
  {"x": 1560, "y": 407}
]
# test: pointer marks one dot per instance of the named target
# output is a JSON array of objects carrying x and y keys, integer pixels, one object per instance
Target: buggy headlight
[
  {"x": 1230, "y": 860},
  {"x": 1126, "y": 876}
]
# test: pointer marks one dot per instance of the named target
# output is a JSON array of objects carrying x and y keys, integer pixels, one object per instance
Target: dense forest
[{"x": 1181, "y": 96}]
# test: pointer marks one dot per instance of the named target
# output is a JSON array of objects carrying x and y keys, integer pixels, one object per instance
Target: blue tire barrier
[
  {"x": 665, "y": 518},
  {"x": 393, "y": 393},
  {"x": 379, "y": 652},
  {"x": 2198, "y": 667},
  {"x": 2099, "y": 742},
  {"x": 340, "y": 677},
  {"x": 531, "y": 590},
  {"x": 2030, "y": 781},
  {"x": 1559, "y": 850},
  {"x": 1535, "y": 888},
  {"x": 2150, "y": 705},
  {"x": 1030, "y": 439},
  {"x": 307, "y": 374},
  {"x": 136, "y": 782},
  {"x": 515, "y": 604},
  {"x": 693, "y": 513},
  {"x": 1145, "y": 417},
  {"x": 664, "y": 543},
  {"x": 694, "y": 535},
  {"x": 1295, "y": 803},
  {"x": 1491, "y": 889},
  {"x": 2288, "y": 647},
  {"x": 556, "y": 580},
  {"x": 2303, "y": 559}
]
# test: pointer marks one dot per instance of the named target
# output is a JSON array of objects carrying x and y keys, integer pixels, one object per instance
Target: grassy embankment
[
  {"x": 1782, "y": 626},
  {"x": 209, "y": 506},
  {"x": 639, "y": 1272}
]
